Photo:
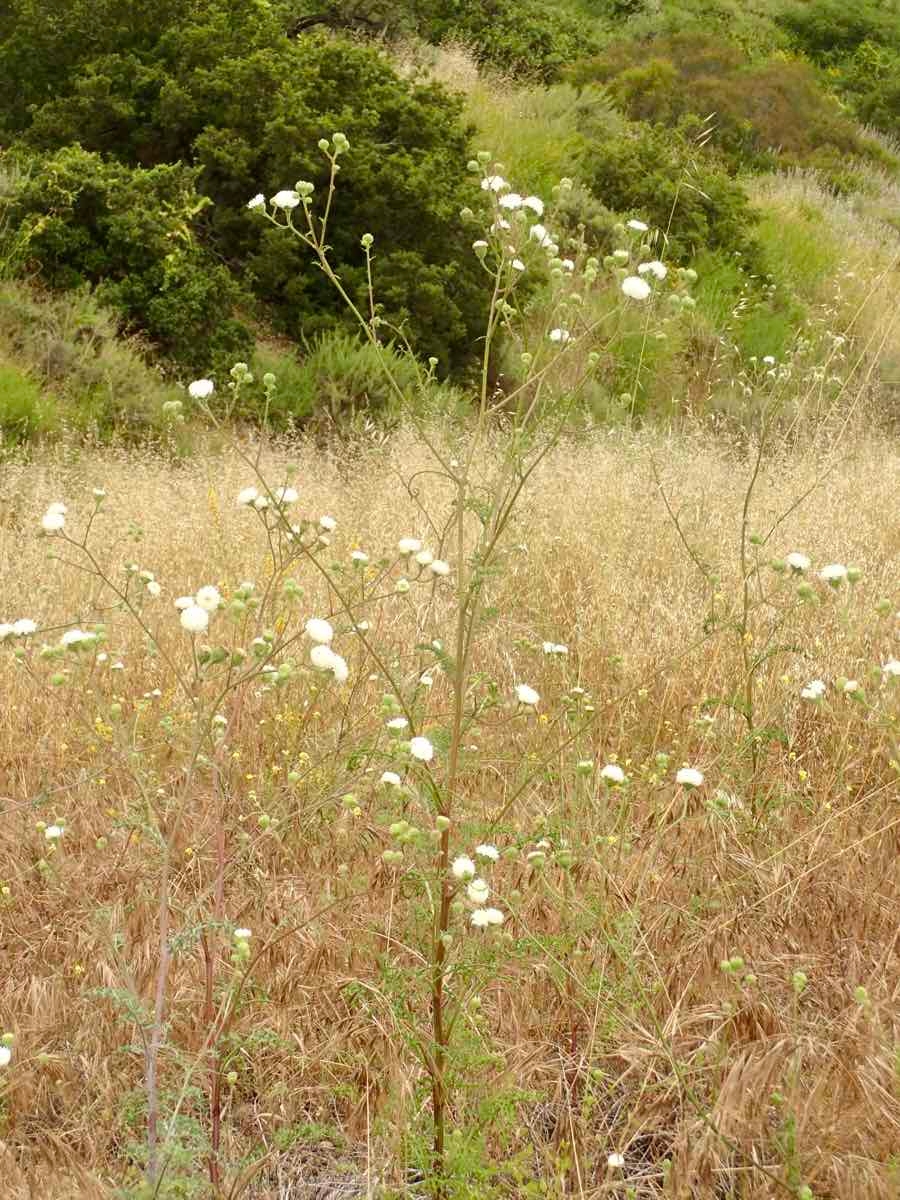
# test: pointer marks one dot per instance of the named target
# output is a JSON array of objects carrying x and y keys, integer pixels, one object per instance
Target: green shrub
[
  {"x": 338, "y": 381},
  {"x": 830, "y": 30},
  {"x": 92, "y": 380},
  {"x": 859, "y": 43},
  {"x": 775, "y": 107},
  {"x": 24, "y": 411},
  {"x": 661, "y": 178},
  {"x": 129, "y": 232},
  {"x": 526, "y": 38},
  {"x": 221, "y": 87}
]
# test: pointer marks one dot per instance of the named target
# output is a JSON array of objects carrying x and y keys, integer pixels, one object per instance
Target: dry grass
[{"x": 605, "y": 1023}]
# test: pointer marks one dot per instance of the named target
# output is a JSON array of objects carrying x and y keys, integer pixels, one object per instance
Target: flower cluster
[
  {"x": 420, "y": 557},
  {"x": 197, "y": 609},
  {"x": 22, "y": 628},
  {"x": 321, "y": 633},
  {"x": 478, "y": 890}
]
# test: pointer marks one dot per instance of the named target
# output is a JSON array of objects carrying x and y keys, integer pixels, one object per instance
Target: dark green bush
[
  {"x": 526, "y": 38},
  {"x": 660, "y": 177},
  {"x": 218, "y": 85},
  {"x": 129, "y": 233},
  {"x": 859, "y": 43},
  {"x": 831, "y": 30}
]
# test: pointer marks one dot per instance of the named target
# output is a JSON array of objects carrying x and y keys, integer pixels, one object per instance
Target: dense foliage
[
  {"x": 768, "y": 112},
  {"x": 220, "y": 87}
]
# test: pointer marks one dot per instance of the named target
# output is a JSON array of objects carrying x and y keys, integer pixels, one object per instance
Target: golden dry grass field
[{"x": 703, "y": 980}]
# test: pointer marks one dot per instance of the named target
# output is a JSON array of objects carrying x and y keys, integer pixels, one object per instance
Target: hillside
[{"x": 449, "y": 600}]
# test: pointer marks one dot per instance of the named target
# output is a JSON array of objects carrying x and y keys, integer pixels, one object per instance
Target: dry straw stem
[{"x": 608, "y": 1020}]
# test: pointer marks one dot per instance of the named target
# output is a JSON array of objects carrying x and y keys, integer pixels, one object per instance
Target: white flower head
[
  {"x": 286, "y": 495},
  {"x": 814, "y": 690},
  {"x": 322, "y": 657},
  {"x": 287, "y": 198},
  {"x": 637, "y": 226},
  {"x": 6, "y": 630},
  {"x": 517, "y": 264},
  {"x": 54, "y": 832},
  {"x": 494, "y": 183},
  {"x": 194, "y": 618},
  {"x": 535, "y": 203},
  {"x": 397, "y": 723},
  {"x": 201, "y": 388},
  {"x": 153, "y": 589},
  {"x": 494, "y": 916},
  {"x": 616, "y": 1161},
  {"x": 243, "y": 935},
  {"x": 247, "y": 496},
  {"x": 486, "y": 850},
  {"x": 689, "y": 777},
  {"x": 511, "y": 200},
  {"x": 561, "y": 336},
  {"x": 184, "y": 602},
  {"x": 329, "y": 524},
  {"x": 797, "y": 562},
  {"x": 439, "y": 568},
  {"x": 555, "y": 648},
  {"x": 527, "y": 695},
  {"x": 424, "y": 558},
  {"x": 478, "y": 891},
  {"x": 479, "y": 918},
  {"x": 834, "y": 574},
  {"x": 463, "y": 868},
  {"x": 540, "y": 235},
  {"x": 421, "y": 748},
  {"x": 635, "y": 288},
  {"x": 339, "y": 669},
  {"x": 656, "y": 268},
  {"x": 613, "y": 774},
  {"x": 5, "y": 1056},
  {"x": 409, "y": 545},
  {"x": 258, "y": 201},
  {"x": 390, "y": 779},
  {"x": 74, "y": 637},
  {"x": 891, "y": 669},
  {"x": 24, "y": 627},
  {"x": 359, "y": 557},
  {"x": 53, "y": 521},
  {"x": 208, "y": 598},
  {"x": 851, "y": 687},
  {"x": 319, "y": 630}
]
